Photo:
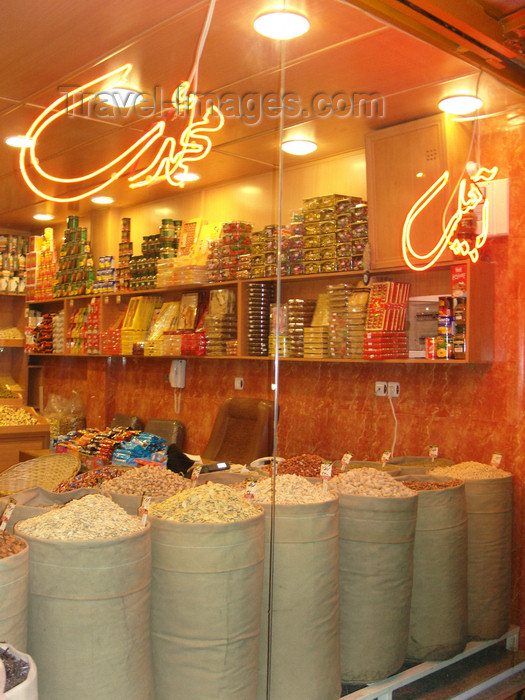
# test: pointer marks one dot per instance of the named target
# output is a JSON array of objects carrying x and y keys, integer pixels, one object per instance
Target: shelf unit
[
  {"x": 480, "y": 304},
  {"x": 12, "y": 359}
]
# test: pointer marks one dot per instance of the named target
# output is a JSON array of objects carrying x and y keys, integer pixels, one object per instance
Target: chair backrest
[
  {"x": 173, "y": 431},
  {"x": 242, "y": 432},
  {"x": 126, "y": 420}
]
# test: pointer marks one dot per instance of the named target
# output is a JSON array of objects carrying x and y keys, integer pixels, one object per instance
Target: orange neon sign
[
  {"x": 171, "y": 158},
  {"x": 467, "y": 201}
]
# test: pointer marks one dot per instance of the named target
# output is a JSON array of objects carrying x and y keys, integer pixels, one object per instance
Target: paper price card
[
  {"x": 433, "y": 452},
  {"x": 496, "y": 459},
  {"x": 251, "y": 487},
  {"x": 345, "y": 461},
  {"x": 326, "y": 470},
  {"x": 195, "y": 474},
  {"x": 386, "y": 456},
  {"x": 8, "y": 510},
  {"x": 144, "y": 508}
]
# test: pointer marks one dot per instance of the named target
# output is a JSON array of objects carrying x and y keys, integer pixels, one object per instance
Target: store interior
[{"x": 326, "y": 407}]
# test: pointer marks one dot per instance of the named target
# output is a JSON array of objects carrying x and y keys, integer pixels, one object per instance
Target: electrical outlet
[
  {"x": 238, "y": 383},
  {"x": 394, "y": 389},
  {"x": 380, "y": 389}
]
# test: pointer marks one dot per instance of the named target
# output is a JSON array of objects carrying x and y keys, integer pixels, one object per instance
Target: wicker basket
[{"x": 47, "y": 472}]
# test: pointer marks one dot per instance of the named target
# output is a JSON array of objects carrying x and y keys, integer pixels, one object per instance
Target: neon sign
[
  {"x": 171, "y": 158},
  {"x": 467, "y": 201}
]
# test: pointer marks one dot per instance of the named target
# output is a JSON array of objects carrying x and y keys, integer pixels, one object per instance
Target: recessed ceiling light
[
  {"x": 281, "y": 25},
  {"x": 19, "y": 141},
  {"x": 299, "y": 147},
  {"x": 43, "y": 217},
  {"x": 187, "y": 177},
  {"x": 102, "y": 200},
  {"x": 460, "y": 104}
]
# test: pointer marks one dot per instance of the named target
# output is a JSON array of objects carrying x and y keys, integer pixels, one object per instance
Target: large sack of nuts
[
  {"x": 438, "y": 611},
  {"x": 36, "y": 501},
  {"x": 207, "y": 568},
  {"x": 89, "y": 601},
  {"x": 18, "y": 675},
  {"x": 488, "y": 492},
  {"x": 305, "y": 601},
  {"x": 377, "y": 520},
  {"x": 14, "y": 567}
]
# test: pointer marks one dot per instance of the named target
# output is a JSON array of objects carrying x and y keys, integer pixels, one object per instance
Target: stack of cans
[{"x": 261, "y": 295}]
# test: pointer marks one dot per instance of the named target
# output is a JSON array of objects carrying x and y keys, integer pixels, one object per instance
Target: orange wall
[{"x": 469, "y": 411}]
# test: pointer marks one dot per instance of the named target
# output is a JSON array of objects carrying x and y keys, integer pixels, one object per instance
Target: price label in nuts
[
  {"x": 326, "y": 470},
  {"x": 8, "y": 511},
  {"x": 195, "y": 474},
  {"x": 144, "y": 508},
  {"x": 251, "y": 487},
  {"x": 496, "y": 459},
  {"x": 386, "y": 456},
  {"x": 345, "y": 460},
  {"x": 433, "y": 452}
]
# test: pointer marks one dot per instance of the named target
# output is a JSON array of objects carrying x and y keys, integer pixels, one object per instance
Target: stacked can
[
  {"x": 446, "y": 329},
  {"x": 261, "y": 295},
  {"x": 125, "y": 251},
  {"x": 75, "y": 270}
]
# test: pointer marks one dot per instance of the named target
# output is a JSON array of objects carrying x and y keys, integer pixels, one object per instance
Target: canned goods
[
  {"x": 444, "y": 347},
  {"x": 72, "y": 222},
  {"x": 430, "y": 348}
]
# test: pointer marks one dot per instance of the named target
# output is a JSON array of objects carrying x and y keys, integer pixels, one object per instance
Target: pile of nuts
[
  {"x": 92, "y": 517},
  {"x": 156, "y": 481},
  {"x": 470, "y": 470},
  {"x": 6, "y": 393},
  {"x": 10, "y": 544},
  {"x": 304, "y": 465},
  {"x": 291, "y": 490},
  {"x": 369, "y": 482},
  {"x": 16, "y": 670},
  {"x": 15, "y": 416},
  {"x": 209, "y": 503},
  {"x": 432, "y": 485}
]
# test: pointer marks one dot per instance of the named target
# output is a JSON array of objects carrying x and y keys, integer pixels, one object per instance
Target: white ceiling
[{"x": 53, "y": 43}]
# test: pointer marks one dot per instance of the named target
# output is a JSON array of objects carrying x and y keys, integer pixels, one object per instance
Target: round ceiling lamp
[
  {"x": 102, "y": 200},
  {"x": 281, "y": 25},
  {"x": 187, "y": 177},
  {"x": 299, "y": 147},
  {"x": 460, "y": 104},
  {"x": 19, "y": 141},
  {"x": 43, "y": 217}
]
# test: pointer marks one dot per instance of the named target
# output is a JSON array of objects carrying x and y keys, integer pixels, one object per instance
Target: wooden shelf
[
  {"x": 480, "y": 302},
  {"x": 11, "y": 343}
]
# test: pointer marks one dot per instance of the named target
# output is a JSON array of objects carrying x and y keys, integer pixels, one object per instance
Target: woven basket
[{"x": 46, "y": 472}]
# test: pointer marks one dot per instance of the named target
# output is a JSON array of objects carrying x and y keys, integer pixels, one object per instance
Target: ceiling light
[
  {"x": 120, "y": 97},
  {"x": 460, "y": 104},
  {"x": 102, "y": 200},
  {"x": 187, "y": 177},
  {"x": 281, "y": 24},
  {"x": 43, "y": 217},
  {"x": 299, "y": 147},
  {"x": 19, "y": 141}
]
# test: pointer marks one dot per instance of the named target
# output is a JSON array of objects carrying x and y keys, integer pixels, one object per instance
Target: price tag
[
  {"x": 433, "y": 452},
  {"x": 496, "y": 459},
  {"x": 8, "y": 510},
  {"x": 144, "y": 508},
  {"x": 345, "y": 460},
  {"x": 195, "y": 474},
  {"x": 251, "y": 487},
  {"x": 326, "y": 473},
  {"x": 386, "y": 456}
]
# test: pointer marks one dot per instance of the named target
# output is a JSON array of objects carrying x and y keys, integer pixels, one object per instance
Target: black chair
[
  {"x": 125, "y": 420},
  {"x": 173, "y": 431}
]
